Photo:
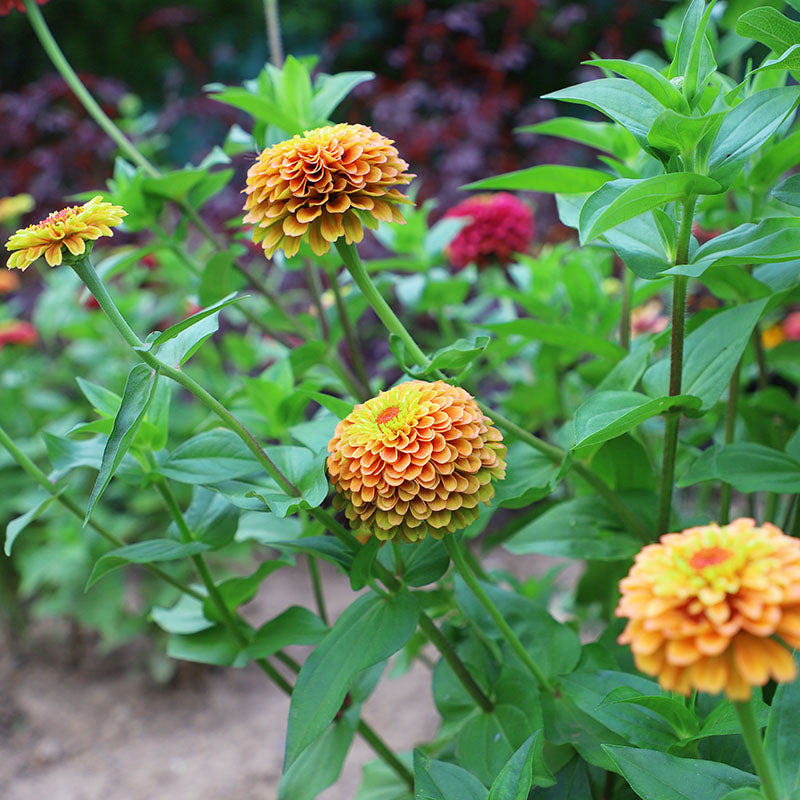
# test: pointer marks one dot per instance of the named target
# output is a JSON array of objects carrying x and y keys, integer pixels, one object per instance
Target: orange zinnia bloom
[
  {"x": 323, "y": 185},
  {"x": 71, "y": 228},
  {"x": 414, "y": 460},
  {"x": 704, "y": 605}
]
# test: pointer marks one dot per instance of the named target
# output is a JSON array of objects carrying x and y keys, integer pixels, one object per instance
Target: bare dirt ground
[{"x": 102, "y": 730}]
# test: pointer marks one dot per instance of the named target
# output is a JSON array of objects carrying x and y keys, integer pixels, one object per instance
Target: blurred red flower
[
  {"x": 7, "y": 6},
  {"x": 17, "y": 332}
]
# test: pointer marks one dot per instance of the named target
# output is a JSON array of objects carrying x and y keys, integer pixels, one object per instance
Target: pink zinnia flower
[
  {"x": 7, "y": 6},
  {"x": 501, "y": 226}
]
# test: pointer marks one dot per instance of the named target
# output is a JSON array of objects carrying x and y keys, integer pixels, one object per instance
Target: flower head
[
  {"x": 704, "y": 604},
  {"x": 323, "y": 185},
  {"x": 648, "y": 318},
  {"x": 71, "y": 228},
  {"x": 414, "y": 460},
  {"x": 773, "y": 336},
  {"x": 17, "y": 332},
  {"x": 791, "y": 326},
  {"x": 501, "y": 226},
  {"x": 7, "y": 6}
]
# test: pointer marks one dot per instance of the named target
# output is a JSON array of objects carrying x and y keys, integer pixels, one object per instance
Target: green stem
[
  {"x": 442, "y": 644},
  {"x": 672, "y": 418},
  {"x": 730, "y": 426},
  {"x": 316, "y": 585},
  {"x": 81, "y": 92},
  {"x": 42, "y": 479},
  {"x": 391, "y": 322},
  {"x": 379, "y": 746},
  {"x": 454, "y": 549},
  {"x": 755, "y": 746},
  {"x": 761, "y": 358}
]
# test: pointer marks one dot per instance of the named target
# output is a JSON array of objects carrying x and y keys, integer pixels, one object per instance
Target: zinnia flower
[
  {"x": 17, "y": 332},
  {"x": 7, "y": 6},
  {"x": 648, "y": 318},
  {"x": 71, "y": 228},
  {"x": 323, "y": 185},
  {"x": 704, "y": 605},
  {"x": 791, "y": 326},
  {"x": 501, "y": 226},
  {"x": 414, "y": 460}
]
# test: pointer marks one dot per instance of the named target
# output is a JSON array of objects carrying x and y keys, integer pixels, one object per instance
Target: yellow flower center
[
  {"x": 387, "y": 415},
  {"x": 709, "y": 557}
]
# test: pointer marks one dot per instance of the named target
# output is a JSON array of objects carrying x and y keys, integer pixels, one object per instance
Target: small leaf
[
  {"x": 16, "y": 526},
  {"x": 179, "y": 327},
  {"x": 296, "y": 625},
  {"x": 525, "y": 769},
  {"x": 148, "y": 552},
  {"x": 139, "y": 389},
  {"x": 549, "y": 178},
  {"x": 440, "y": 780}
]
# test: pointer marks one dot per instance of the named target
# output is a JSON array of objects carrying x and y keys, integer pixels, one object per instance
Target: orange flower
[
  {"x": 704, "y": 605},
  {"x": 414, "y": 460},
  {"x": 9, "y": 282},
  {"x": 323, "y": 185},
  {"x": 71, "y": 228}
]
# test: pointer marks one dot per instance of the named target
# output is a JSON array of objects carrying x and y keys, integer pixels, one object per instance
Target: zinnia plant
[{"x": 434, "y": 433}]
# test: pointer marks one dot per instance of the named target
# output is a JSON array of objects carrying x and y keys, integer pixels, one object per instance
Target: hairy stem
[
  {"x": 672, "y": 418},
  {"x": 272, "y": 18}
]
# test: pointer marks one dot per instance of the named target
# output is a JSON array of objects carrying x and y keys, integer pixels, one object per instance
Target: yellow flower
[
  {"x": 773, "y": 336},
  {"x": 71, "y": 228},
  {"x": 323, "y": 185},
  {"x": 15, "y": 206},
  {"x": 414, "y": 460},
  {"x": 704, "y": 605}
]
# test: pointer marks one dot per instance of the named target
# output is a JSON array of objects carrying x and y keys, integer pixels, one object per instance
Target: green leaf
[
  {"x": 658, "y": 776},
  {"x": 711, "y": 353},
  {"x": 330, "y": 90},
  {"x": 321, "y": 763},
  {"x": 211, "y": 518},
  {"x": 139, "y": 389},
  {"x": 185, "y": 617},
  {"x": 525, "y": 769},
  {"x": 103, "y": 400},
  {"x": 439, "y": 780},
  {"x": 601, "y": 135},
  {"x": 559, "y": 335},
  {"x": 773, "y": 240},
  {"x": 296, "y": 625},
  {"x": 17, "y": 525},
  {"x": 682, "y": 721},
  {"x": 789, "y": 59},
  {"x": 179, "y": 327},
  {"x": 748, "y": 467},
  {"x": 425, "y": 561},
  {"x": 212, "y": 646},
  {"x": 623, "y": 101},
  {"x": 369, "y": 631},
  {"x": 673, "y": 132},
  {"x": 549, "y": 178},
  {"x": 781, "y": 741},
  {"x": 149, "y": 552},
  {"x": 779, "y": 157},
  {"x": 606, "y": 415},
  {"x": 788, "y": 191},
  {"x": 649, "y": 79},
  {"x": 747, "y": 127},
  {"x": 622, "y": 199},
  {"x": 581, "y": 527},
  {"x": 459, "y": 355},
  {"x": 770, "y": 27},
  {"x": 237, "y": 591},
  {"x": 212, "y": 456},
  {"x": 258, "y": 106},
  {"x": 361, "y": 568},
  {"x": 639, "y": 244},
  {"x": 530, "y": 476},
  {"x": 217, "y": 277},
  {"x": 341, "y": 408}
]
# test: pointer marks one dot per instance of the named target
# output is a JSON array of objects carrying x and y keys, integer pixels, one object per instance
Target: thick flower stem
[
  {"x": 391, "y": 322},
  {"x": 730, "y": 425},
  {"x": 454, "y": 549},
  {"x": 272, "y": 18},
  {"x": 755, "y": 746},
  {"x": 42, "y": 479},
  {"x": 625, "y": 311},
  {"x": 442, "y": 644},
  {"x": 672, "y": 420}
]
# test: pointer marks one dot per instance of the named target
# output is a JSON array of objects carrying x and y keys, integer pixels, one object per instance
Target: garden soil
[{"x": 89, "y": 727}]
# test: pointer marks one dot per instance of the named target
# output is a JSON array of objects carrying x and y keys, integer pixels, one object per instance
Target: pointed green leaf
[{"x": 550, "y": 178}]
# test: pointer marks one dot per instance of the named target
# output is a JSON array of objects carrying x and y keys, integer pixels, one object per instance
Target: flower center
[
  {"x": 56, "y": 216},
  {"x": 709, "y": 557},
  {"x": 387, "y": 415}
]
